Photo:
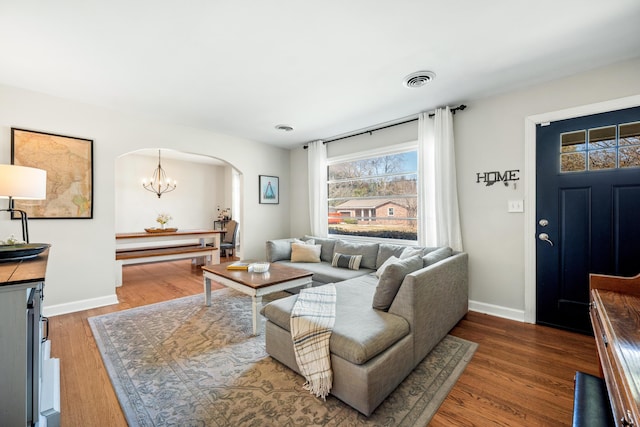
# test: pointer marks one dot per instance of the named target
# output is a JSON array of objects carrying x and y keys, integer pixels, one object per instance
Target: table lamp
[{"x": 22, "y": 183}]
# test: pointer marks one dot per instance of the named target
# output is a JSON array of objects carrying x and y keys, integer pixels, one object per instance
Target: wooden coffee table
[{"x": 256, "y": 285}]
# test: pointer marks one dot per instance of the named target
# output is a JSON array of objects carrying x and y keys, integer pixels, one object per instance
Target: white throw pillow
[{"x": 301, "y": 252}]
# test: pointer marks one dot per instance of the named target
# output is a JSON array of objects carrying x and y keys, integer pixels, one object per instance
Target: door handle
[{"x": 545, "y": 237}]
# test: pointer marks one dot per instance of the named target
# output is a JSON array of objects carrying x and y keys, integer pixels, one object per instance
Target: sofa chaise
[{"x": 374, "y": 349}]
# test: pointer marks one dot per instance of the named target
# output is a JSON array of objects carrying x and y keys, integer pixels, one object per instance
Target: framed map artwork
[{"x": 69, "y": 165}]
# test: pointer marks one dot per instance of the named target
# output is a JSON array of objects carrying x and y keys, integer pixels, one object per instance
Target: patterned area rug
[{"x": 180, "y": 363}]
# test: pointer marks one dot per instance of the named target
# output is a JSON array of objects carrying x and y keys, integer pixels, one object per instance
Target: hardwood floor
[{"x": 521, "y": 374}]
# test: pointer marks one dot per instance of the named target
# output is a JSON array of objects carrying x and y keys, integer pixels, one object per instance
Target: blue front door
[{"x": 588, "y": 210}]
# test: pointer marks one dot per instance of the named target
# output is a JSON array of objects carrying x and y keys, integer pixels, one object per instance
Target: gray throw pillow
[
  {"x": 279, "y": 249},
  {"x": 392, "y": 259},
  {"x": 411, "y": 251},
  {"x": 369, "y": 252},
  {"x": 386, "y": 250},
  {"x": 437, "y": 255},
  {"x": 326, "y": 253},
  {"x": 391, "y": 279}
]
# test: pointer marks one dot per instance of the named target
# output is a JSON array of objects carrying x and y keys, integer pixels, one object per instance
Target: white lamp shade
[{"x": 21, "y": 182}]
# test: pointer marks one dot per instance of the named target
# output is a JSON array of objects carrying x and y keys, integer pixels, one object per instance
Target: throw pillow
[
  {"x": 279, "y": 249},
  {"x": 437, "y": 255},
  {"x": 392, "y": 259},
  {"x": 301, "y": 252},
  {"x": 391, "y": 279},
  {"x": 385, "y": 250},
  {"x": 326, "y": 254},
  {"x": 409, "y": 252},
  {"x": 369, "y": 252},
  {"x": 304, "y": 241},
  {"x": 351, "y": 262}
]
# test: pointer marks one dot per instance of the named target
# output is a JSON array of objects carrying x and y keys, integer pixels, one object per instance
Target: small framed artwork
[
  {"x": 269, "y": 189},
  {"x": 69, "y": 165}
]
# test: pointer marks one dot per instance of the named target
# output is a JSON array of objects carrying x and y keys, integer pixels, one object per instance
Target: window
[
  {"x": 374, "y": 196},
  {"x": 602, "y": 148}
]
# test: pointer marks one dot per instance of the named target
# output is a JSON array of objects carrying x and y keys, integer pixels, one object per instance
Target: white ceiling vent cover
[{"x": 418, "y": 79}]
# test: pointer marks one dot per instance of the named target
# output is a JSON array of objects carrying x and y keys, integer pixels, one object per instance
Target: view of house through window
[{"x": 375, "y": 196}]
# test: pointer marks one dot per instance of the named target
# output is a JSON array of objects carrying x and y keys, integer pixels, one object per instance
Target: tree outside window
[{"x": 374, "y": 196}]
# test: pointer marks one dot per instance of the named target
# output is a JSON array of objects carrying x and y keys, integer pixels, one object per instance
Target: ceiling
[{"x": 325, "y": 68}]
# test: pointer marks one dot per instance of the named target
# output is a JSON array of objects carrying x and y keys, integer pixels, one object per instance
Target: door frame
[{"x": 530, "y": 175}]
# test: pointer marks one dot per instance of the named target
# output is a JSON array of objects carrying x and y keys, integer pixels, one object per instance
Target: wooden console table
[
  {"x": 615, "y": 316},
  {"x": 144, "y": 247}
]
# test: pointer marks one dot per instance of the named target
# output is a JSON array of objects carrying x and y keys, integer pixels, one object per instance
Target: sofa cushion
[
  {"x": 360, "y": 332},
  {"x": 410, "y": 251},
  {"x": 391, "y": 279},
  {"x": 351, "y": 262},
  {"x": 279, "y": 249},
  {"x": 326, "y": 254},
  {"x": 386, "y": 250},
  {"x": 369, "y": 252},
  {"x": 324, "y": 273},
  {"x": 301, "y": 252},
  {"x": 436, "y": 255}
]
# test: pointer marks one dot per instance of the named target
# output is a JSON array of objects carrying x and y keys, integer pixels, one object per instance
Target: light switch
[{"x": 515, "y": 206}]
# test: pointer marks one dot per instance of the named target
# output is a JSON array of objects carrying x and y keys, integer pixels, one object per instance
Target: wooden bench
[
  {"x": 163, "y": 253},
  {"x": 135, "y": 248}
]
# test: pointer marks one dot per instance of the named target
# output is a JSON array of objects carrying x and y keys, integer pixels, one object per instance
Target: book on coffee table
[{"x": 239, "y": 265}]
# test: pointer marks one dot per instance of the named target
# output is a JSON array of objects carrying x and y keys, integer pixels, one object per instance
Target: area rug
[{"x": 180, "y": 363}]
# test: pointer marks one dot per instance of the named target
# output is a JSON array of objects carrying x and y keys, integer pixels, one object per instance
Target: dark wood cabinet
[{"x": 615, "y": 316}]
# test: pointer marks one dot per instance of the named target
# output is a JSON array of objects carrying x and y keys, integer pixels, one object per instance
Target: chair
[{"x": 229, "y": 241}]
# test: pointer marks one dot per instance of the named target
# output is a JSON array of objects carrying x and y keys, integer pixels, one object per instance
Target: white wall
[
  {"x": 81, "y": 269},
  {"x": 194, "y": 203},
  {"x": 490, "y": 137}
]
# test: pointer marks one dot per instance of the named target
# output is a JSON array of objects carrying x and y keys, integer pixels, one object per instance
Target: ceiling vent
[
  {"x": 418, "y": 79},
  {"x": 285, "y": 128}
]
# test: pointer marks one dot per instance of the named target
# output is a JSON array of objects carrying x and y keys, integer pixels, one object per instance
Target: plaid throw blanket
[{"x": 312, "y": 320}]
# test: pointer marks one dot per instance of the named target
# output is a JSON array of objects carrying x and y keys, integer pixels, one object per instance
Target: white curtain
[
  {"x": 439, "y": 216},
  {"x": 317, "y": 166}
]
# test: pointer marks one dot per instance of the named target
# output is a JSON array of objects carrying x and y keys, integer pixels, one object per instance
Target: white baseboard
[
  {"x": 496, "y": 310},
  {"x": 72, "y": 307}
]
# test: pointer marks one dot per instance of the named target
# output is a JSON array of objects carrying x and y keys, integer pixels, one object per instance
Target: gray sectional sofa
[{"x": 373, "y": 350}]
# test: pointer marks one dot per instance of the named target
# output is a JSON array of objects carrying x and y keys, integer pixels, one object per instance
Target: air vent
[
  {"x": 285, "y": 128},
  {"x": 418, "y": 79}
]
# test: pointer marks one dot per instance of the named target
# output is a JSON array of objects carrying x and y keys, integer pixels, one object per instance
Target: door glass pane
[
  {"x": 602, "y": 138},
  {"x": 602, "y": 159},
  {"x": 629, "y": 151},
  {"x": 573, "y": 141},
  {"x": 573, "y": 162},
  {"x": 630, "y": 134},
  {"x": 629, "y": 156}
]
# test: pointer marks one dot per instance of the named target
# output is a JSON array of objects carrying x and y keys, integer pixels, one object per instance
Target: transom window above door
[{"x": 604, "y": 148}]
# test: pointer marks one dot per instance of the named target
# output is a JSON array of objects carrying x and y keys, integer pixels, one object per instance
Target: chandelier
[{"x": 159, "y": 184}]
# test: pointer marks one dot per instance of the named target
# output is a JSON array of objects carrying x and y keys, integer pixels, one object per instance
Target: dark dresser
[{"x": 615, "y": 316}]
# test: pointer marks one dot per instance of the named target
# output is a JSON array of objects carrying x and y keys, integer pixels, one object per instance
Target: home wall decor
[
  {"x": 490, "y": 178},
  {"x": 69, "y": 165},
  {"x": 269, "y": 189}
]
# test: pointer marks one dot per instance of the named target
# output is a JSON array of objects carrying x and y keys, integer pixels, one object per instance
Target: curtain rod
[{"x": 461, "y": 107}]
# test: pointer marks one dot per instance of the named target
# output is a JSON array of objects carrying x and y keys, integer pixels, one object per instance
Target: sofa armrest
[{"x": 433, "y": 300}]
